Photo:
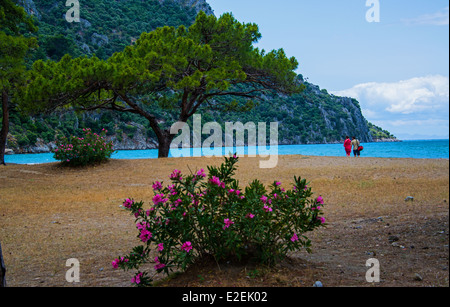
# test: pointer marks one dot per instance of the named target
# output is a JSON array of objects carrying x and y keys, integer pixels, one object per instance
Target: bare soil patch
[{"x": 49, "y": 214}]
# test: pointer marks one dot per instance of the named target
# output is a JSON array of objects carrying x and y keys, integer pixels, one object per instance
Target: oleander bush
[
  {"x": 90, "y": 148},
  {"x": 198, "y": 215}
]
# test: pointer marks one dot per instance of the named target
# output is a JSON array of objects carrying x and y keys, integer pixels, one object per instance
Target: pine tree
[{"x": 178, "y": 69}]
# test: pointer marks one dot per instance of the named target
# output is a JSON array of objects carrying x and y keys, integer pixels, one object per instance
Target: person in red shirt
[{"x": 348, "y": 146}]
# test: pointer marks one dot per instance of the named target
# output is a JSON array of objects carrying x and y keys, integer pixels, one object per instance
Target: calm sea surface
[{"x": 427, "y": 149}]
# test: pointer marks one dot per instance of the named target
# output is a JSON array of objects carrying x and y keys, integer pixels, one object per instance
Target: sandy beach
[{"x": 49, "y": 214}]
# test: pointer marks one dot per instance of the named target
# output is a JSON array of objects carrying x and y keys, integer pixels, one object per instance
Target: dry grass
[{"x": 49, "y": 214}]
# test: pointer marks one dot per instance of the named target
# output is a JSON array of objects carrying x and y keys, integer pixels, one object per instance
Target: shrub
[
  {"x": 196, "y": 216},
  {"x": 23, "y": 140},
  {"x": 80, "y": 151}
]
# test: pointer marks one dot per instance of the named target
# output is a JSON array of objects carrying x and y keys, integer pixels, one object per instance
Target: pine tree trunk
[
  {"x": 165, "y": 139},
  {"x": 5, "y": 127}
]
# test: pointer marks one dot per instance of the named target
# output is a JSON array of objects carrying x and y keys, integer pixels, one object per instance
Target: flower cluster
[
  {"x": 80, "y": 151},
  {"x": 197, "y": 215}
]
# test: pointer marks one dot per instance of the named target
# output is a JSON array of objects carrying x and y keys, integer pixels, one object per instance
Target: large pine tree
[{"x": 179, "y": 69}]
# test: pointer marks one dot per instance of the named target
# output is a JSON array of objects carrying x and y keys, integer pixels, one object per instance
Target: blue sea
[{"x": 423, "y": 149}]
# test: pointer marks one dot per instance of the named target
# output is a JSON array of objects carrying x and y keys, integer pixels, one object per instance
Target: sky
[{"x": 391, "y": 55}]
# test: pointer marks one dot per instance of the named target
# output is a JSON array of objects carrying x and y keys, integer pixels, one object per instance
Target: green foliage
[
  {"x": 13, "y": 19},
  {"x": 80, "y": 151},
  {"x": 13, "y": 46},
  {"x": 193, "y": 218},
  {"x": 378, "y": 133},
  {"x": 119, "y": 21}
]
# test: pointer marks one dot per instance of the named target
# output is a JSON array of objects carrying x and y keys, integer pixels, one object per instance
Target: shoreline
[
  {"x": 373, "y": 150},
  {"x": 261, "y": 159},
  {"x": 10, "y": 151}
]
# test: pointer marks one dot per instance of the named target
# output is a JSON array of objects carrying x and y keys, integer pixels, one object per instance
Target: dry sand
[{"x": 49, "y": 214}]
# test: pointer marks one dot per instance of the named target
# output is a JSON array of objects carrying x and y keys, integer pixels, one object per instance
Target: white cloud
[
  {"x": 414, "y": 106},
  {"x": 440, "y": 18},
  {"x": 422, "y": 94}
]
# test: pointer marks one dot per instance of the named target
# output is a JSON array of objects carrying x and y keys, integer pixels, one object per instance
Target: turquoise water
[{"x": 426, "y": 149}]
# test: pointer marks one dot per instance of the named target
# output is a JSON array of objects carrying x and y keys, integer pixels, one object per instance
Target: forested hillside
[
  {"x": 105, "y": 26},
  {"x": 313, "y": 116}
]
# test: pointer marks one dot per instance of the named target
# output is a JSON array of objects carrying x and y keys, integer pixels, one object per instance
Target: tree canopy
[
  {"x": 178, "y": 68},
  {"x": 13, "y": 49}
]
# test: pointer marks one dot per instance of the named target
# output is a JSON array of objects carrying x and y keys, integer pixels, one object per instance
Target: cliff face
[{"x": 353, "y": 124}]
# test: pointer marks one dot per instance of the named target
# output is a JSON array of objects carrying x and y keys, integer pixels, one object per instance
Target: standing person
[
  {"x": 348, "y": 146},
  {"x": 355, "y": 144}
]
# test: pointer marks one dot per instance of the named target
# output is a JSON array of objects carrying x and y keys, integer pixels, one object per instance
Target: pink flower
[
  {"x": 264, "y": 199},
  {"x": 157, "y": 186},
  {"x": 250, "y": 216},
  {"x": 159, "y": 198},
  {"x": 277, "y": 183},
  {"x": 321, "y": 219},
  {"x": 142, "y": 226},
  {"x": 187, "y": 246},
  {"x": 176, "y": 174},
  {"x": 160, "y": 247},
  {"x": 128, "y": 203},
  {"x": 215, "y": 180},
  {"x": 159, "y": 265},
  {"x": 137, "y": 279},
  {"x": 319, "y": 200},
  {"x": 267, "y": 208},
  {"x": 228, "y": 223},
  {"x": 201, "y": 173},
  {"x": 145, "y": 235},
  {"x": 116, "y": 262},
  {"x": 294, "y": 238}
]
